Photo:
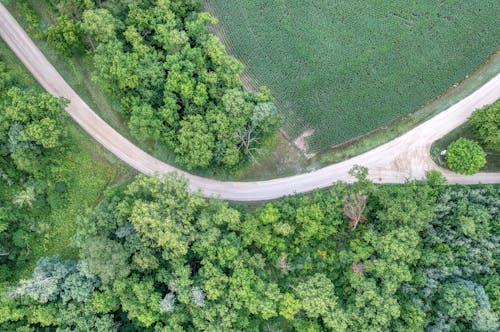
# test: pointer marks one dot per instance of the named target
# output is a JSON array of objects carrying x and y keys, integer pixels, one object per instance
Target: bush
[
  {"x": 465, "y": 156},
  {"x": 485, "y": 123}
]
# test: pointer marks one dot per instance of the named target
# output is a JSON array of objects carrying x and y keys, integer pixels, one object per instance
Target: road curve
[{"x": 404, "y": 158}]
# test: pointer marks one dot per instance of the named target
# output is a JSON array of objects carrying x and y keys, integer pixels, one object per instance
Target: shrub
[
  {"x": 485, "y": 123},
  {"x": 465, "y": 156}
]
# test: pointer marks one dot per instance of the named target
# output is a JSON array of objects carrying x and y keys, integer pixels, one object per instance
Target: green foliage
[
  {"x": 105, "y": 258},
  {"x": 485, "y": 123},
  {"x": 329, "y": 74},
  {"x": 39, "y": 115},
  {"x": 99, "y": 26},
  {"x": 459, "y": 259},
  {"x": 139, "y": 299},
  {"x": 66, "y": 36},
  {"x": 317, "y": 296},
  {"x": 173, "y": 79},
  {"x": 183, "y": 262},
  {"x": 457, "y": 301},
  {"x": 50, "y": 172},
  {"x": 32, "y": 135},
  {"x": 52, "y": 278},
  {"x": 163, "y": 214},
  {"x": 72, "y": 8},
  {"x": 195, "y": 143},
  {"x": 465, "y": 156}
]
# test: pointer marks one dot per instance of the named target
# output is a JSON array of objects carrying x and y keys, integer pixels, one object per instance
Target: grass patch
[
  {"x": 346, "y": 68},
  {"x": 492, "y": 157}
]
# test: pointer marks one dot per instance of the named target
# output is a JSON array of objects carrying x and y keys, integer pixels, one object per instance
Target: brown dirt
[{"x": 301, "y": 144}]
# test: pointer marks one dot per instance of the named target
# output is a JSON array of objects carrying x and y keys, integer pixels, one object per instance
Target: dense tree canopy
[
  {"x": 173, "y": 80},
  {"x": 154, "y": 256},
  {"x": 485, "y": 123}
]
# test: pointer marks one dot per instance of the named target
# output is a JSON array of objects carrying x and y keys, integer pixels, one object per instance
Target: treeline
[
  {"x": 33, "y": 140},
  {"x": 172, "y": 79},
  {"x": 360, "y": 257}
]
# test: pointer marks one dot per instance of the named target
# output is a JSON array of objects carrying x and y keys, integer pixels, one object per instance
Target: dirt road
[{"x": 406, "y": 157}]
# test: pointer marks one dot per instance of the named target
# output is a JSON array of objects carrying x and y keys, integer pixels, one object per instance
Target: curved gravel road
[{"x": 404, "y": 158}]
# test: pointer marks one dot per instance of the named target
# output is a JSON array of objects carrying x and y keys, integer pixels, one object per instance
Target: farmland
[{"x": 345, "y": 68}]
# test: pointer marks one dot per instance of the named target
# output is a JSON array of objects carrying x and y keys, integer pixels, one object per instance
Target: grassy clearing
[
  {"x": 492, "y": 157},
  {"x": 346, "y": 68},
  {"x": 91, "y": 170}
]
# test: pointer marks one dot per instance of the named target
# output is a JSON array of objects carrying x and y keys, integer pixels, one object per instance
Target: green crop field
[{"x": 347, "y": 67}]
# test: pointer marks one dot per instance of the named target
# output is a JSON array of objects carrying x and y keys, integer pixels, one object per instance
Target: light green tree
[{"x": 465, "y": 156}]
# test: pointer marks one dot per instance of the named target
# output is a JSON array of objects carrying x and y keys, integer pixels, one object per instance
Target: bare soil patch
[{"x": 301, "y": 143}]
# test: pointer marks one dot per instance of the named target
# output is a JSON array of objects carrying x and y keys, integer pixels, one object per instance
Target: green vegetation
[
  {"x": 345, "y": 68},
  {"x": 465, "y": 156},
  {"x": 485, "y": 123},
  {"x": 78, "y": 253},
  {"x": 382, "y": 135},
  {"x": 152, "y": 256},
  {"x": 483, "y": 126},
  {"x": 50, "y": 172},
  {"x": 173, "y": 80},
  {"x": 492, "y": 157}
]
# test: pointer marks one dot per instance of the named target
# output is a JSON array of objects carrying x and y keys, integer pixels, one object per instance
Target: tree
[
  {"x": 196, "y": 143},
  {"x": 353, "y": 206},
  {"x": 265, "y": 117},
  {"x": 139, "y": 299},
  {"x": 115, "y": 69},
  {"x": 105, "y": 258},
  {"x": 163, "y": 213},
  {"x": 99, "y": 26},
  {"x": 167, "y": 305},
  {"x": 82, "y": 317},
  {"x": 144, "y": 123},
  {"x": 289, "y": 306},
  {"x": 465, "y": 156},
  {"x": 66, "y": 35},
  {"x": 40, "y": 114},
  {"x": 176, "y": 82},
  {"x": 485, "y": 123},
  {"x": 72, "y": 8},
  {"x": 457, "y": 301},
  {"x": 52, "y": 278},
  {"x": 316, "y": 295},
  {"x": 237, "y": 108},
  {"x": 247, "y": 141},
  {"x": 25, "y": 198},
  {"x": 45, "y": 284}
]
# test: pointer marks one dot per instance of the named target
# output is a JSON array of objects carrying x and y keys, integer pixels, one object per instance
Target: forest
[
  {"x": 88, "y": 246},
  {"x": 154, "y": 257}
]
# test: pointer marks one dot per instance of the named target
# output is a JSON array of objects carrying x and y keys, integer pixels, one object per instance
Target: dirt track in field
[{"x": 404, "y": 158}]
